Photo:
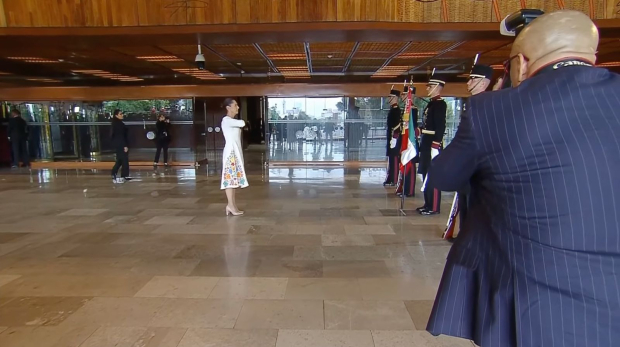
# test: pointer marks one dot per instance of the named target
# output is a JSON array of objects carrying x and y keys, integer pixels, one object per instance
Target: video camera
[{"x": 512, "y": 26}]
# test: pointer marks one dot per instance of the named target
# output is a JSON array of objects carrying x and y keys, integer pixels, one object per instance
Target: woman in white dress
[{"x": 233, "y": 171}]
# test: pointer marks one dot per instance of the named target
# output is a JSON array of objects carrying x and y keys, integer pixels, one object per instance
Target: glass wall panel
[
  {"x": 337, "y": 128},
  {"x": 81, "y": 130}
]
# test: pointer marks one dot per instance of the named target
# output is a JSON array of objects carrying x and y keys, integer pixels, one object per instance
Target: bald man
[{"x": 537, "y": 262}]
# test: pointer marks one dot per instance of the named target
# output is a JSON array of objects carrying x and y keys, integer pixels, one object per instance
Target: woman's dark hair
[
  {"x": 16, "y": 112},
  {"x": 117, "y": 112},
  {"x": 228, "y": 102}
]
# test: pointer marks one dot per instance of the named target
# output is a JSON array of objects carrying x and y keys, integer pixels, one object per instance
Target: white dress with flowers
[{"x": 233, "y": 171}]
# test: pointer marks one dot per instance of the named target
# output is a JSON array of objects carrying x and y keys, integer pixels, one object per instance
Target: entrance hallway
[{"x": 321, "y": 258}]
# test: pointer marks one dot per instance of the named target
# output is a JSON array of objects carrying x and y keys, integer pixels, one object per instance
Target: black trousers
[
  {"x": 392, "y": 174},
  {"x": 410, "y": 177},
  {"x": 122, "y": 159},
  {"x": 162, "y": 145},
  {"x": 432, "y": 198},
  {"x": 20, "y": 151}
]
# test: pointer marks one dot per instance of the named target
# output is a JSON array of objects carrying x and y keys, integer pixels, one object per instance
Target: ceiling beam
[
  {"x": 436, "y": 56},
  {"x": 240, "y": 69},
  {"x": 269, "y": 61},
  {"x": 396, "y": 54},
  {"x": 481, "y": 54},
  {"x": 308, "y": 56},
  {"x": 350, "y": 57}
]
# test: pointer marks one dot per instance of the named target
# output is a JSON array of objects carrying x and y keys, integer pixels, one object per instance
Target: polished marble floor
[{"x": 321, "y": 258}]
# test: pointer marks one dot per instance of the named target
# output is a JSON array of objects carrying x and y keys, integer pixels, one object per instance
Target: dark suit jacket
[{"x": 537, "y": 262}]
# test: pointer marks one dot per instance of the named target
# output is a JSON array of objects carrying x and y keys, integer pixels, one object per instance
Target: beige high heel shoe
[{"x": 229, "y": 212}]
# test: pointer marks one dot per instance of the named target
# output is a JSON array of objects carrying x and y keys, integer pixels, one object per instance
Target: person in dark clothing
[
  {"x": 120, "y": 143},
  {"x": 432, "y": 142},
  {"x": 392, "y": 148},
  {"x": 18, "y": 135},
  {"x": 162, "y": 139}
]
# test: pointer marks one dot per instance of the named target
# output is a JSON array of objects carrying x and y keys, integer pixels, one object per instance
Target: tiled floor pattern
[{"x": 321, "y": 258}]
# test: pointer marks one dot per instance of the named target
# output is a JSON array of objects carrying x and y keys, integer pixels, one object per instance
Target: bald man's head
[{"x": 550, "y": 38}]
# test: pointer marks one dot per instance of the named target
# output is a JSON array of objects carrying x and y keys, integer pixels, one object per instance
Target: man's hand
[{"x": 126, "y": 149}]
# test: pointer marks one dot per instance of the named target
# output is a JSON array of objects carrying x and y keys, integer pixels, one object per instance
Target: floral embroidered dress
[{"x": 233, "y": 172}]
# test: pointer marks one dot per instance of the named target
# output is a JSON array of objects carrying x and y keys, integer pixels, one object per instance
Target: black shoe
[
  {"x": 421, "y": 209},
  {"x": 127, "y": 179},
  {"x": 388, "y": 184},
  {"x": 429, "y": 213}
]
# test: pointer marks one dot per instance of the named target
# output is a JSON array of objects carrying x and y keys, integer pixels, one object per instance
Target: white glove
[
  {"x": 393, "y": 142},
  {"x": 434, "y": 153}
]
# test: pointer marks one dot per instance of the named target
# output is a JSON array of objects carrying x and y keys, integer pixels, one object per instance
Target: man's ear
[{"x": 522, "y": 67}]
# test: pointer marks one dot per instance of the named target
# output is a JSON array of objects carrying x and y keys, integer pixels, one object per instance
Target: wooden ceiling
[
  {"x": 63, "y": 64},
  {"x": 154, "y": 42},
  {"x": 111, "y": 13}
]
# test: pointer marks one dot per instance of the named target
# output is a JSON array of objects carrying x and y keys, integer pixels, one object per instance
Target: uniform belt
[{"x": 428, "y": 132}]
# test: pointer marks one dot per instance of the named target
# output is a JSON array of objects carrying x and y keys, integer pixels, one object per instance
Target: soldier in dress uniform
[
  {"x": 392, "y": 150},
  {"x": 409, "y": 176},
  {"x": 432, "y": 142}
]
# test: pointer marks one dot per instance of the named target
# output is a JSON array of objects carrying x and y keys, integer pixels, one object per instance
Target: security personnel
[
  {"x": 393, "y": 135},
  {"x": 432, "y": 142}
]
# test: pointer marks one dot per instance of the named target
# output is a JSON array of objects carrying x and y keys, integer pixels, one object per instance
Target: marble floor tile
[
  {"x": 368, "y": 230},
  {"x": 45, "y": 336},
  {"x": 398, "y": 289},
  {"x": 236, "y": 252},
  {"x": 416, "y": 338},
  {"x": 84, "y": 212},
  {"x": 11, "y": 237},
  {"x": 420, "y": 311},
  {"x": 290, "y": 268},
  {"x": 47, "y": 311},
  {"x": 281, "y": 314},
  {"x": 114, "y": 336},
  {"x": 357, "y": 253},
  {"x": 324, "y": 338},
  {"x": 119, "y": 312},
  {"x": 249, "y": 288},
  {"x": 5, "y": 279},
  {"x": 355, "y": 269},
  {"x": 153, "y": 212},
  {"x": 347, "y": 240},
  {"x": 319, "y": 229},
  {"x": 197, "y": 313},
  {"x": 61, "y": 285},
  {"x": 323, "y": 289},
  {"x": 180, "y": 201},
  {"x": 272, "y": 229},
  {"x": 367, "y": 315},
  {"x": 218, "y": 267},
  {"x": 135, "y": 337},
  {"x": 161, "y": 220},
  {"x": 124, "y": 251},
  {"x": 178, "y": 287},
  {"x": 229, "y": 338}
]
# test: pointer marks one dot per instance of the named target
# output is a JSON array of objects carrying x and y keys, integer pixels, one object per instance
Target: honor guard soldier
[
  {"x": 432, "y": 142},
  {"x": 393, "y": 135},
  {"x": 409, "y": 172}
]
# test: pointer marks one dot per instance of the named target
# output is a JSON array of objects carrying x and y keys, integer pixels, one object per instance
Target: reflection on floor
[
  {"x": 321, "y": 258},
  {"x": 336, "y": 150}
]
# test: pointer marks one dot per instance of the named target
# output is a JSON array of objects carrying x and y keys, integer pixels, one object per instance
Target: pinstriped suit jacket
[{"x": 537, "y": 262}]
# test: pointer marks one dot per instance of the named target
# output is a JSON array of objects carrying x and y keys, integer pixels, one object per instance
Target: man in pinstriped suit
[{"x": 538, "y": 259}]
